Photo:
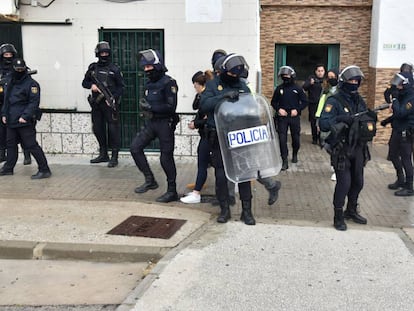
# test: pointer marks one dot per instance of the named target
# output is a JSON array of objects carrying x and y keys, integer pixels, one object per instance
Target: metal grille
[{"x": 125, "y": 45}]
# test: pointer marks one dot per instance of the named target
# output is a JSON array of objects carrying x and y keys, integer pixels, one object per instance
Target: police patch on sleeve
[
  {"x": 328, "y": 108},
  {"x": 173, "y": 89},
  {"x": 346, "y": 109},
  {"x": 34, "y": 90},
  {"x": 409, "y": 105},
  {"x": 220, "y": 87},
  {"x": 1, "y": 89}
]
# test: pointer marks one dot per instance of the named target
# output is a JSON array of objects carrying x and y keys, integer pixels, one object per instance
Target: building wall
[{"x": 347, "y": 23}]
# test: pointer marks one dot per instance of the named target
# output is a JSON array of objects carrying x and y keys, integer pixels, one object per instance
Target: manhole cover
[{"x": 150, "y": 227}]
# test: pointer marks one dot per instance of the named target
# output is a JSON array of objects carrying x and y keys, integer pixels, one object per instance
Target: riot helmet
[
  {"x": 235, "y": 64},
  {"x": 351, "y": 73},
  {"x": 347, "y": 75},
  {"x": 7, "y": 48},
  {"x": 399, "y": 80},
  {"x": 152, "y": 57},
  {"x": 287, "y": 74},
  {"x": 216, "y": 55},
  {"x": 286, "y": 71},
  {"x": 102, "y": 47}
]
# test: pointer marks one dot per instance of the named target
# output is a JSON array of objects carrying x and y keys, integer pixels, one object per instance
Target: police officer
[
  {"x": 288, "y": 101},
  {"x": 313, "y": 85},
  {"x": 100, "y": 75},
  {"x": 349, "y": 151},
  {"x": 19, "y": 112},
  {"x": 401, "y": 141},
  {"x": 7, "y": 53},
  {"x": 159, "y": 105}
]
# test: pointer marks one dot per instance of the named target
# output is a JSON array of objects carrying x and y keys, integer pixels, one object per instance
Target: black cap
[{"x": 19, "y": 64}]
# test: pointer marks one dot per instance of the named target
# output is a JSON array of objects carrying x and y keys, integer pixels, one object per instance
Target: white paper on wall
[{"x": 203, "y": 11}]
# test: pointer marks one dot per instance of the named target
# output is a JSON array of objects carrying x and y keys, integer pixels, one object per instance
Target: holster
[
  {"x": 338, "y": 158},
  {"x": 212, "y": 136}
]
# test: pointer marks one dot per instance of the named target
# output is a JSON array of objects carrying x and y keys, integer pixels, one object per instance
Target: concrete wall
[{"x": 62, "y": 53}]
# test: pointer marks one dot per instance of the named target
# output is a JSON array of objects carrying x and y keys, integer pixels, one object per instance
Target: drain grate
[{"x": 150, "y": 227}]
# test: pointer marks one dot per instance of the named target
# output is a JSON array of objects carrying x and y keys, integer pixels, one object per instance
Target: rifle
[{"x": 103, "y": 88}]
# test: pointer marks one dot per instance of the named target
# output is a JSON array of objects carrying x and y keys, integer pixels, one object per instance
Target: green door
[{"x": 125, "y": 45}]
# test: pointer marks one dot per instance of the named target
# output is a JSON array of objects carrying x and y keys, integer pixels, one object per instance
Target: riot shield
[{"x": 248, "y": 141}]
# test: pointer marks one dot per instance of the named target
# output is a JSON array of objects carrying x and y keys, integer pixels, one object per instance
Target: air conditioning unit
[{"x": 8, "y": 10}]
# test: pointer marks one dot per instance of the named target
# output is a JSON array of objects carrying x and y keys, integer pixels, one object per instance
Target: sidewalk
[{"x": 290, "y": 251}]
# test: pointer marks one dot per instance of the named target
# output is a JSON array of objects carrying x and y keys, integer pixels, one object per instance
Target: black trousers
[
  {"x": 312, "y": 107},
  {"x": 222, "y": 191},
  {"x": 400, "y": 153},
  {"x": 283, "y": 124},
  {"x": 350, "y": 180},
  {"x": 106, "y": 127},
  {"x": 3, "y": 136},
  {"x": 162, "y": 129},
  {"x": 27, "y": 136}
]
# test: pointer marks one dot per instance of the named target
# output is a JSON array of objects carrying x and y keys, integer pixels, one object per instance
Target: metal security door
[{"x": 125, "y": 45}]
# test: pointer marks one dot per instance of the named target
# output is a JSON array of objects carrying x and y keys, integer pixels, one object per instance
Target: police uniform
[
  {"x": 160, "y": 98},
  {"x": 288, "y": 96},
  {"x": 21, "y": 101},
  {"x": 349, "y": 152},
  {"x": 401, "y": 141},
  {"x": 104, "y": 118}
]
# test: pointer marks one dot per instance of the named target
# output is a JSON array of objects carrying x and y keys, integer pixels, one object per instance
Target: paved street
[{"x": 293, "y": 251}]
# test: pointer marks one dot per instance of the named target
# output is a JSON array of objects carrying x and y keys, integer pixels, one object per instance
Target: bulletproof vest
[
  {"x": 154, "y": 92},
  {"x": 106, "y": 76}
]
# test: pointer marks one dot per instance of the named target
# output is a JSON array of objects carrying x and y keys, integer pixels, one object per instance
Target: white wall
[
  {"x": 62, "y": 53},
  {"x": 392, "y": 40}
]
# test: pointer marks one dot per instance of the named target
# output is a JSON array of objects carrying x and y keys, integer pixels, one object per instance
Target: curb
[{"x": 12, "y": 249}]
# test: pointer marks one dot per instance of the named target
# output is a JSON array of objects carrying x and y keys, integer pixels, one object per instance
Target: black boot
[
  {"x": 3, "y": 155},
  {"x": 224, "y": 212},
  {"x": 351, "y": 212},
  {"x": 295, "y": 157},
  {"x": 114, "y": 159},
  {"x": 246, "y": 214},
  {"x": 149, "y": 184},
  {"x": 339, "y": 222},
  {"x": 27, "y": 158},
  {"x": 399, "y": 183},
  {"x": 102, "y": 157},
  {"x": 171, "y": 194},
  {"x": 274, "y": 193},
  {"x": 406, "y": 191},
  {"x": 285, "y": 165}
]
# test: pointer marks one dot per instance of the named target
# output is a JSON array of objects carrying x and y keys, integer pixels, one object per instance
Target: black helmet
[
  {"x": 351, "y": 73},
  {"x": 235, "y": 64},
  {"x": 102, "y": 46},
  {"x": 151, "y": 57},
  {"x": 218, "y": 63},
  {"x": 216, "y": 55},
  {"x": 8, "y": 48},
  {"x": 287, "y": 70},
  {"x": 406, "y": 67}
]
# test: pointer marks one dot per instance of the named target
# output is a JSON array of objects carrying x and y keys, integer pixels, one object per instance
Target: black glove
[
  {"x": 144, "y": 105},
  {"x": 394, "y": 92},
  {"x": 344, "y": 118},
  {"x": 233, "y": 95}
]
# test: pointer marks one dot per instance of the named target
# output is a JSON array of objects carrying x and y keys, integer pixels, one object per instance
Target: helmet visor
[
  {"x": 286, "y": 70},
  {"x": 351, "y": 73},
  {"x": 235, "y": 64},
  {"x": 398, "y": 79},
  {"x": 148, "y": 57}
]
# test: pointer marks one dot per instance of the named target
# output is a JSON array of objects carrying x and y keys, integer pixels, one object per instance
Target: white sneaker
[
  {"x": 191, "y": 198},
  {"x": 333, "y": 177}
]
